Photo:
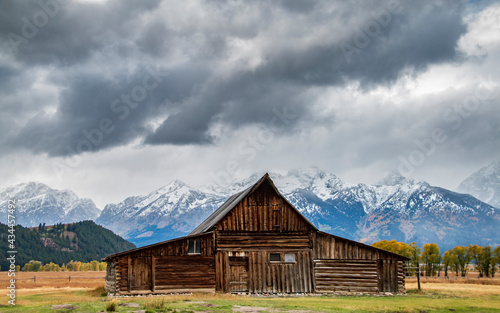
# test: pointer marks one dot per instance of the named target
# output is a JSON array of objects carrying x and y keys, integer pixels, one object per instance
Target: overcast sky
[{"x": 118, "y": 98}]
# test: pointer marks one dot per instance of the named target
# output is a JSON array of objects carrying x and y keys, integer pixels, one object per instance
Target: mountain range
[
  {"x": 396, "y": 207},
  {"x": 38, "y": 203},
  {"x": 484, "y": 184}
]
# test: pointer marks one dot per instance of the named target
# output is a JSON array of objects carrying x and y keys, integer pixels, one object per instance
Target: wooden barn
[{"x": 256, "y": 242}]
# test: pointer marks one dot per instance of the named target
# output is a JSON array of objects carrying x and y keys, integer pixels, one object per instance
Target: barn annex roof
[{"x": 225, "y": 208}]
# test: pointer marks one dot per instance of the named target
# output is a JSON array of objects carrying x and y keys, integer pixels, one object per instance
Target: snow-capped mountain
[
  {"x": 38, "y": 203},
  {"x": 484, "y": 184},
  {"x": 170, "y": 211},
  {"x": 395, "y": 208}
]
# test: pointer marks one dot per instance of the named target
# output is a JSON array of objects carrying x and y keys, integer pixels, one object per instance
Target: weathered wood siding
[
  {"x": 167, "y": 266},
  {"x": 185, "y": 272},
  {"x": 262, "y": 241},
  {"x": 379, "y": 271},
  {"x": 391, "y": 276},
  {"x": 263, "y": 211},
  {"x": 263, "y": 275},
  {"x": 327, "y": 246},
  {"x": 346, "y": 276}
]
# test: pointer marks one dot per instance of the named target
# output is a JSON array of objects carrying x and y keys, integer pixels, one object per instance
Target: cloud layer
[
  {"x": 367, "y": 79},
  {"x": 224, "y": 62}
]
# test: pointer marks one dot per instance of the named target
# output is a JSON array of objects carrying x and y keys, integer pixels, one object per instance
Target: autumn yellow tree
[
  {"x": 411, "y": 251},
  {"x": 484, "y": 261},
  {"x": 446, "y": 262},
  {"x": 431, "y": 257},
  {"x": 460, "y": 258},
  {"x": 495, "y": 261}
]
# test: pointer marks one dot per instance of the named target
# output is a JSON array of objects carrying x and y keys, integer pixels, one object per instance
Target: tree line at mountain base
[
  {"x": 460, "y": 259},
  {"x": 37, "y": 266}
]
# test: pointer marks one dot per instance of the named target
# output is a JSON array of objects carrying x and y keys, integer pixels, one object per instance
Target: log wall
[
  {"x": 185, "y": 272},
  {"x": 111, "y": 277},
  {"x": 346, "y": 276},
  {"x": 345, "y": 257}
]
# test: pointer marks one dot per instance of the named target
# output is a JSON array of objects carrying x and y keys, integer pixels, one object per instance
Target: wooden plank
[
  {"x": 153, "y": 273},
  {"x": 300, "y": 278},
  {"x": 129, "y": 270},
  {"x": 226, "y": 272},
  {"x": 283, "y": 279},
  {"x": 273, "y": 274}
]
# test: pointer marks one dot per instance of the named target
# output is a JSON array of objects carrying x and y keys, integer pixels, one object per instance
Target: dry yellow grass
[
  {"x": 24, "y": 280},
  {"x": 472, "y": 290},
  {"x": 454, "y": 280}
]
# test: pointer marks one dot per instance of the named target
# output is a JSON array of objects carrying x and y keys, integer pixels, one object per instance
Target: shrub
[
  {"x": 111, "y": 306},
  {"x": 156, "y": 304}
]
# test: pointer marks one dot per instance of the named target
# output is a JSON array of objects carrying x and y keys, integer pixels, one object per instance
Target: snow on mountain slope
[
  {"x": 484, "y": 184},
  {"x": 172, "y": 210},
  {"x": 395, "y": 208},
  {"x": 38, "y": 203}
]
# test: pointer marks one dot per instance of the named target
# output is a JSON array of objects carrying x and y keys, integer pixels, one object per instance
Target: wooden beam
[
  {"x": 153, "y": 273},
  {"x": 129, "y": 270}
]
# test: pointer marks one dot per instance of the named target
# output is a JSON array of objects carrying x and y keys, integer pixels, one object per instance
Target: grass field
[{"x": 87, "y": 295}]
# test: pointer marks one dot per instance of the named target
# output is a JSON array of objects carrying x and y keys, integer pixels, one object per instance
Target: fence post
[
  {"x": 34, "y": 279},
  {"x": 69, "y": 278},
  {"x": 418, "y": 276}
]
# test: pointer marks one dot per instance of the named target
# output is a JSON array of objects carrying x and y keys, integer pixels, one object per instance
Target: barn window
[
  {"x": 275, "y": 257},
  {"x": 194, "y": 246},
  {"x": 290, "y": 257}
]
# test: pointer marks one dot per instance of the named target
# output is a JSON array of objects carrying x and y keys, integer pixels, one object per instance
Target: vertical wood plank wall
[
  {"x": 263, "y": 211},
  {"x": 265, "y": 276}
]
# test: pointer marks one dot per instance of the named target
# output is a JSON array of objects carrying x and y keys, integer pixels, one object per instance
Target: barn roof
[
  {"x": 111, "y": 256},
  {"x": 225, "y": 208}
]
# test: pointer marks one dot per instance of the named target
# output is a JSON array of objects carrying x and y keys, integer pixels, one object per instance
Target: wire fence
[
  {"x": 69, "y": 278},
  {"x": 454, "y": 278}
]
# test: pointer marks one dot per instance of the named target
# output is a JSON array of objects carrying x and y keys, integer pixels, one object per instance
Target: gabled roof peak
[{"x": 230, "y": 203}]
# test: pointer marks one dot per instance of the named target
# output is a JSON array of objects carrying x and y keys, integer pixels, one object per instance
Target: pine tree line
[{"x": 83, "y": 241}]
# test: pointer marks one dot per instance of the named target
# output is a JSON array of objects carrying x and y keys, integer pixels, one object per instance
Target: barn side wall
[
  {"x": 167, "y": 266},
  {"x": 342, "y": 265}
]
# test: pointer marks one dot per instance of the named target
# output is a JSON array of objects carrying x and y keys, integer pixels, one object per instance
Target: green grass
[{"x": 437, "y": 300}]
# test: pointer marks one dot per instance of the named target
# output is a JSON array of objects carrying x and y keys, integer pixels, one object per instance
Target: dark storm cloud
[
  {"x": 66, "y": 32},
  {"x": 97, "y": 52},
  {"x": 124, "y": 104}
]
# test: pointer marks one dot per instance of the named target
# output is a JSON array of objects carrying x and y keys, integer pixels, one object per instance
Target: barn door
[
  {"x": 141, "y": 273},
  {"x": 238, "y": 274},
  {"x": 388, "y": 275}
]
